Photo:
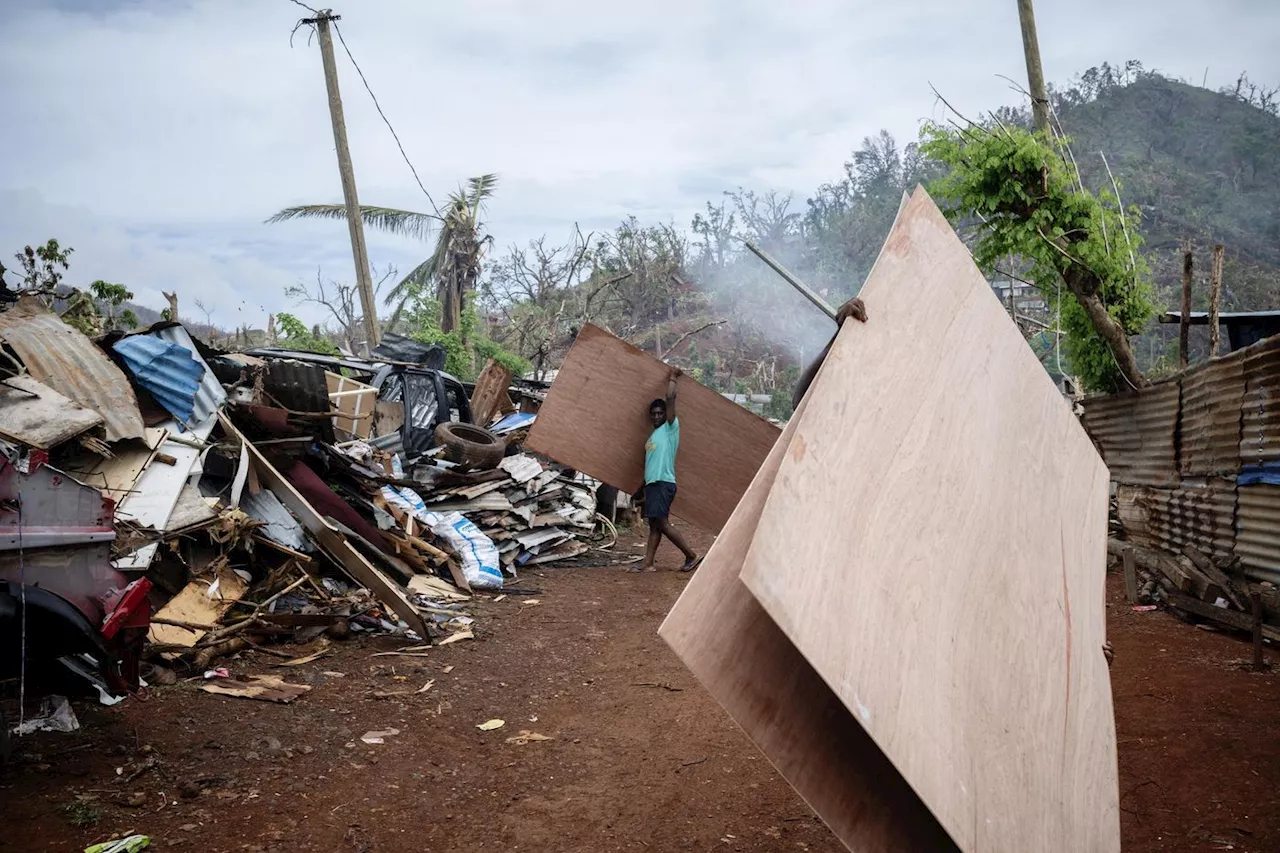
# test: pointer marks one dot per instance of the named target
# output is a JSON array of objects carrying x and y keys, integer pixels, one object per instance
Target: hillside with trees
[
  {"x": 1190, "y": 163},
  {"x": 1197, "y": 164}
]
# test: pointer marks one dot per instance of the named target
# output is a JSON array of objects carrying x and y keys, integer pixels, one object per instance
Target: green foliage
[
  {"x": 489, "y": 349},
  {"x": 423, "y": 315},
  {"x": 1032, "y": 209},
  {"x": 295, "y": 335},
  {"x": 113, "y": 296},
  {"x": 81, "y": 813},
  {"x": 40, "y": 266}
]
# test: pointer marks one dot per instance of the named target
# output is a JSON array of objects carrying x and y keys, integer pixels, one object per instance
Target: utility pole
[
  {"x": 364, "y": 280},
  {"x": 1035, "y": 72}
]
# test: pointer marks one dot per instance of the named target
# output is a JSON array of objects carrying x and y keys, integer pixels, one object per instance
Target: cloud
[{"x": 155, "y": 136}]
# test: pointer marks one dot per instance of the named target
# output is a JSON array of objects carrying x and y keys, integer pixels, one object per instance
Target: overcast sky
[{"x": 155, "y": 136}]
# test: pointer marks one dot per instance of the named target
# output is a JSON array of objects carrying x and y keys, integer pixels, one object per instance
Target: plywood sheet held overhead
[
  {"x": 929, "y": 539},
  {"x": 595, "y": 420}
]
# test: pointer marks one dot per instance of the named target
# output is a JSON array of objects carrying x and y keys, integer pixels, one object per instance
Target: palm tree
[{"x": 453, "y": 268}]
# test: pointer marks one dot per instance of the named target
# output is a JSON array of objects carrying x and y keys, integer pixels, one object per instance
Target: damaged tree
[
  {"x": 1031, "y": 204},
  {"x": 453, "y": 269}
]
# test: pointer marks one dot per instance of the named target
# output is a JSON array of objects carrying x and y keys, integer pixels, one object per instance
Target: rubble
[{"x": 232, "y": 500}]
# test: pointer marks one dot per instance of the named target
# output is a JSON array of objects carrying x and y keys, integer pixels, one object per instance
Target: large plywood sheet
[
  {"x": 934, "y": 544},
  {"x": 745, "y": 661},
  {"x": 596, "y": 420}
]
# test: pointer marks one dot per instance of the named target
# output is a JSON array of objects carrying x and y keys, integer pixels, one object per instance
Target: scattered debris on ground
[{"x": 168, "y": 509}]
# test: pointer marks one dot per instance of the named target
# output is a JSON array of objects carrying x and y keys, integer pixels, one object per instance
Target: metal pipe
[{"x": 792, "y": 280}]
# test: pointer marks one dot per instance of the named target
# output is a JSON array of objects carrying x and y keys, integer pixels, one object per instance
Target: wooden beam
[
  {"x": 1215, "y": 297},
  {"x": 1130, "y": 576},
  {"x": 1184, "y": 327},
  {"x": 332, "y": 541}
]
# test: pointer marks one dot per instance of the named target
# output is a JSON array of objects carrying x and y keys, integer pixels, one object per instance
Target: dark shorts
[{"x": 657, "y": 499}]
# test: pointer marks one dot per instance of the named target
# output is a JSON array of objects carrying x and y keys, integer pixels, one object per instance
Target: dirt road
[{"x": 640, "y": 758}]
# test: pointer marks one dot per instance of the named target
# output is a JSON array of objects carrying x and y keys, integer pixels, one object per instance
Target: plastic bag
[{"x": 475, "y": 551}]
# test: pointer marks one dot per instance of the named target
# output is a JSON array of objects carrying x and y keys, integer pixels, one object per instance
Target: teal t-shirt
[{"x": 660, "y": 453}]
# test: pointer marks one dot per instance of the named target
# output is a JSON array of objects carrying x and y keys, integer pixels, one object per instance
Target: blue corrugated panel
[{"x": 166, "y": 370}]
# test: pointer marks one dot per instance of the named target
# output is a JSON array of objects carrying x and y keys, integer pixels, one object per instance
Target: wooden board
[
  {"x": 741, "y": 657},
  {"x": 195, "y": 606},
  {"x": 353, "y": 403},
  {"x": 116, "y": 477},
  {"x": 596, "y": 420},
  {"x": 33, "y": 413},
  {"x": 935, "y": 546},
  {"x": 359, "y": 568},
  {"x": 490, "y": 393}
]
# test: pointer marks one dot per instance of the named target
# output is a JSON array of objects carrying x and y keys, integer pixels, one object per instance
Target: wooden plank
[
  {"x": 355, "y": 564},
  {"x": 1221, "y": 615},
  {"x": 491, "y": 388},
  {"x": 32, "y": 413},
  {"x": 353, "y": 403},
  {"x": 194, "y": 606},
  {"x": 117, "y": 476},
  {"x": 1130, "y": 576},
  {"x": 934, "y": 544},
  {"x": 747, "y": 664},
  {"x": 595, "y": 420},
  {"x": 1215, "y": 575}
]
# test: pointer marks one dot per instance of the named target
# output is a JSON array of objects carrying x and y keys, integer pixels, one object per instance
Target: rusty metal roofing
[
  {"x": 1135, "y": 433},
  {"x": 1258, "y": 531},
  {"x": 1260, "y": 410},
  {"x": 71, "y": 364},
  {"x": 1199, "y": 512},
  {"x": 1210, "y": 425}
]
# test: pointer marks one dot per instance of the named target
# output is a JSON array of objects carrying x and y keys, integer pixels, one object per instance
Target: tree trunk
[
  {"x": 1107, "y": 327},
  {"x": 173, "y": 306}
]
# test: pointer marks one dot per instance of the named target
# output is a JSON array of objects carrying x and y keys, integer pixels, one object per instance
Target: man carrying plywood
[{"x": 660, "y": 478}]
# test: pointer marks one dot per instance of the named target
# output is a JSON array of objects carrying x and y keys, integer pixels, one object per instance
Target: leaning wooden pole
[
  {"x": 1215, "y": 297},
  {"x": 1184, "y": 326}
]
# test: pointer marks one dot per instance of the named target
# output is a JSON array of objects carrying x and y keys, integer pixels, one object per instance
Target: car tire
[{"x": 470, "y": 445}]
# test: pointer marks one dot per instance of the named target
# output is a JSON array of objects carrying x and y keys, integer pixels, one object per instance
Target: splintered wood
[
  {"x": 906, "y": 611},
  {"x": 595, "y": 420}
]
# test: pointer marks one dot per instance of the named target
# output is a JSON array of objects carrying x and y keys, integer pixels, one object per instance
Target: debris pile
[
  {"x": 1194, "y": 586},
  {"x": 161, "y": 499}
]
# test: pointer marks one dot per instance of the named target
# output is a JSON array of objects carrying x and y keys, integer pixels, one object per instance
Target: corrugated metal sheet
[
  {"x": 297, "y": 385},
  {"x": 1135, "y": 433},
  {"x": 166, "y": 370},
  {"x": 210, "y": 396},
  {"x": 1210, "y": 424},
  {"x": 278, "y": 524},
  {"x": 1260, "y": 424},
  {"x": 1199, "y": 512},
  {"x": 1258, "y": 531},
  {"x": 71, "y": 364}
]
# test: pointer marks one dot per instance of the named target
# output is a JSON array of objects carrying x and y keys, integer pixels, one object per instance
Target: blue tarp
[
  {"x": 513, "y": 422},
  {"x": 1252, "y": 475},
  {"x": 169, "y": 372}
]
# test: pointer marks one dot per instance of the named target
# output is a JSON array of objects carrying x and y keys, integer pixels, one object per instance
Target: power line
[
  {"x": 385, "y": 120},
  {"x": 305, "y": 6}
]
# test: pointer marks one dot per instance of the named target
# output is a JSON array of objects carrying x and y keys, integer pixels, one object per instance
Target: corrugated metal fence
[{"x": 1196, "y": 458}]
